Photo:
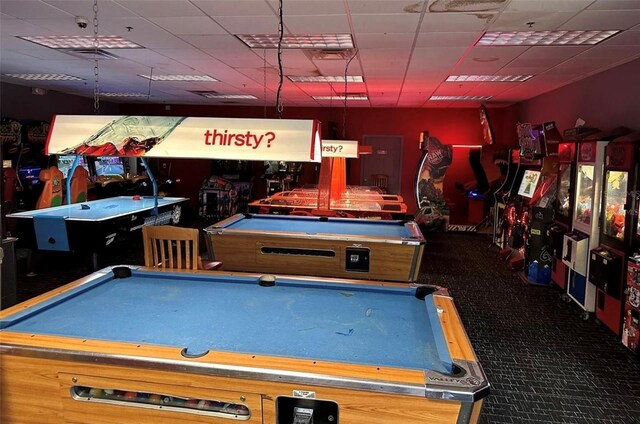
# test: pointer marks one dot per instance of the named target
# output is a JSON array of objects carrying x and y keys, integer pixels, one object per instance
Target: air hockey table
[
  {"x": 319, "y": 246},
  {"x": 131, "y": 345},
  {"x": 94, "y": 225}
]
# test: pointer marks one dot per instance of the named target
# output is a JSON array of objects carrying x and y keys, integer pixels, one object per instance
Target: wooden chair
[
  {"x": 381, "y": 181},
  {"x": 52, "y": 191},
  {"x": 169, "y": 247}
]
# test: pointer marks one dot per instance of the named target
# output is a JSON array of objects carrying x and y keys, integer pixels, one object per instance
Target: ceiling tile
[
  {"x": 614, "y": 5},
  {"x": 384, "y": 40},
  {"x": 447, "y": 39},
  {"x": 368, "y": 24},
  {"x": 625, "y": 38},
  {"x": 461, "y": 22},
  {"x": 519, "y": 21},
  {"x": 248, "y": 24},
  {"x": 234, "y": 7},
  {"x": 603, "y": 20},
  {"x": 30, "y": 9},
  {"x": 319, "y": 24},
  {"x": 547, "y": 5},
  {"x": 436, "y": 57},
  {"x": 189, "y": 25},
  {"x": 381, "y": 7},
  {"x": 164, "y": 8},
  {"x": 310, "y": 7},
  {"x": 216, "y": 42},
  {"x": 106, "y": 8}
]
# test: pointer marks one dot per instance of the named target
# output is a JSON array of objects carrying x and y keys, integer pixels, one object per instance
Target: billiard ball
[
  {"x": 130, "y": 396},
  {"x": 157, "y": 399},
  {"x": 94, "y": 392}
]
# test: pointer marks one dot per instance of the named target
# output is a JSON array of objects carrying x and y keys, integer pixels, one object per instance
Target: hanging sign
[
  {"x": 186, "y": 137},
  {"x": 340, "y": 148}
]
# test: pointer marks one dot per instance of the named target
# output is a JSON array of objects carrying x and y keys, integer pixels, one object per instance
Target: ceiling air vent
[{"x": 89, "y": 53}]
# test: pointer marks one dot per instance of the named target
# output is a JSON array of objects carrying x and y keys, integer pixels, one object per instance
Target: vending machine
[
  {"x": 562, "y": 211},
  {"x": 584, "y": 234},
  {"x": 607, "y": 261}
]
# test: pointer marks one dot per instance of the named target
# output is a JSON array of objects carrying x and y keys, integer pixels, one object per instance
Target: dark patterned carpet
[{"x": 544, "y": 363}]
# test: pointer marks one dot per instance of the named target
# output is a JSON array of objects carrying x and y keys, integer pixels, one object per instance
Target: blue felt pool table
[
  {"x": 92, "y": 226},
  {"x": 129, "y": 344},
  {"x": 319, "y": 246}
]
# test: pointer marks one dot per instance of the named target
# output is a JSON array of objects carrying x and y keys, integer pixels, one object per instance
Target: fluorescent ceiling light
[
  {"x": 214, "y": 95},
  {"x": 350, "y": 78},
  {"x": 126, "y": 94},
  {"x": 349, "y": 97},
  {"x": 298, "y": 41},
  {"x": 82, "y": 42},
  {"x": 459, "y": 97},
  {"x": 179, "y": 78},
  {"x": 544, "y": 38},
  {"x": 45, "y": 77},
  {"x": 488, "y": 78}
]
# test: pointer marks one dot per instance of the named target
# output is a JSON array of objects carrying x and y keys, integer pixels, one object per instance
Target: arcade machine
[
  {"x": 433, "y": 213},
  {"x": 110, "y": 176},
  {"x": 584, "y": 235},
  {"x": 227, "y": 191},
  {"x": 510, "y": 164},
  {"x": 563, "y": 206},
  {"x": 516, "y": 219},
  {"x": 631, "y": 324},
  {"x": 607, "y": 261}
]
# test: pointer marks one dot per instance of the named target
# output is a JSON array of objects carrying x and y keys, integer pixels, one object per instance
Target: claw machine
[
  {"x": 584, "y": 235},
  {"x": 607, "y": 261},
  {"x": 631, "y": 319},
  {"x": 562, "y": 211}
]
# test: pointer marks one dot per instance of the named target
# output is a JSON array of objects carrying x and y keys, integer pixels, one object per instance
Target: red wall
[
  {"x": 605, "y": 101},
  {"x": 451, "y": 126}
]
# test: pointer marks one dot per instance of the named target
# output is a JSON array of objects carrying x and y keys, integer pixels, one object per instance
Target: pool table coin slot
[
  {"x": 302, "y": 410},
  {"x": 357, "y": 259}
]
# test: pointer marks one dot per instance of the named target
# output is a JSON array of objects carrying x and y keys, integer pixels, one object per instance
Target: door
[{"x": 386, "y": 158}]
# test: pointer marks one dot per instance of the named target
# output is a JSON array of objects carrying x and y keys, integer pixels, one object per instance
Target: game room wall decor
[{"x": 186, "y": 137}]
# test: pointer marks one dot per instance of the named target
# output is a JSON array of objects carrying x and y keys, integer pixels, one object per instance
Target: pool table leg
[
  {"x": 470, "y": 412},
  {"x": 94, "y": 261}
]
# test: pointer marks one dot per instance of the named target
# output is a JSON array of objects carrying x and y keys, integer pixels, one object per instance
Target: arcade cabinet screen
[
  {"x": 529, "y": 183},
  {"x": 6, "y": 163},
  {"x": 29, "y": 175},
  {"x": 109, "y": 165},
  {"x": 66, "y": 161}
]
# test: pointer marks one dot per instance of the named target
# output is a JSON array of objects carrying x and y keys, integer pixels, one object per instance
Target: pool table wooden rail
[
  {"x": 391, "y": 259},
  {"x": 37, "y": 371}
]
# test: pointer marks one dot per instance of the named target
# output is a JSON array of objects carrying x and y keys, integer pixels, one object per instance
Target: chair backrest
[
  {"x": 52, "y": 191},
  {"x": 381, "y": 181},
  {"x": 166, "y": 247},
  {"x": 79, "y": 185}
]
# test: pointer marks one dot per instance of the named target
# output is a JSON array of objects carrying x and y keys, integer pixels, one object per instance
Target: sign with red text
[
  {"x": 288, "y": 140},
  {"x": 340, "y": 148}
]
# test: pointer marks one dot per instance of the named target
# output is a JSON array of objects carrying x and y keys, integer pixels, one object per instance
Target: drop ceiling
[{"x": 404, "y": 50}]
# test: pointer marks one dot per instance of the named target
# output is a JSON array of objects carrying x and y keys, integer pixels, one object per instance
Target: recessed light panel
[
  {"x": 82, "y": 42},
  {"x": 330, "y": 79},
  {"x": 488, "y": 78},
  {"x": 45, "y": 77},
  {"x": 544, "y": 38},
  {"x": 481, "y": 98},
  {"x": 298, "y": 41},
  {"x": 215, "y": 95},
  {"x": 342, "y": 98},
  {"x": 179, "y": 78},
  {"x": 126, "y": 94}
]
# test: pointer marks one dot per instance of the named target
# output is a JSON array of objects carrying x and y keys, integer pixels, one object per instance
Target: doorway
[{"x": 386, "y": 158}]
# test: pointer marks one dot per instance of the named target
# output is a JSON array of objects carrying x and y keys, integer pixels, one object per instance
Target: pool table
[
  {"x": 359, "y": 205},
  {"x": 94, "y": 225},
  {"x": 320, "y": 246},
  {"x": 133, "y": 345}
]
